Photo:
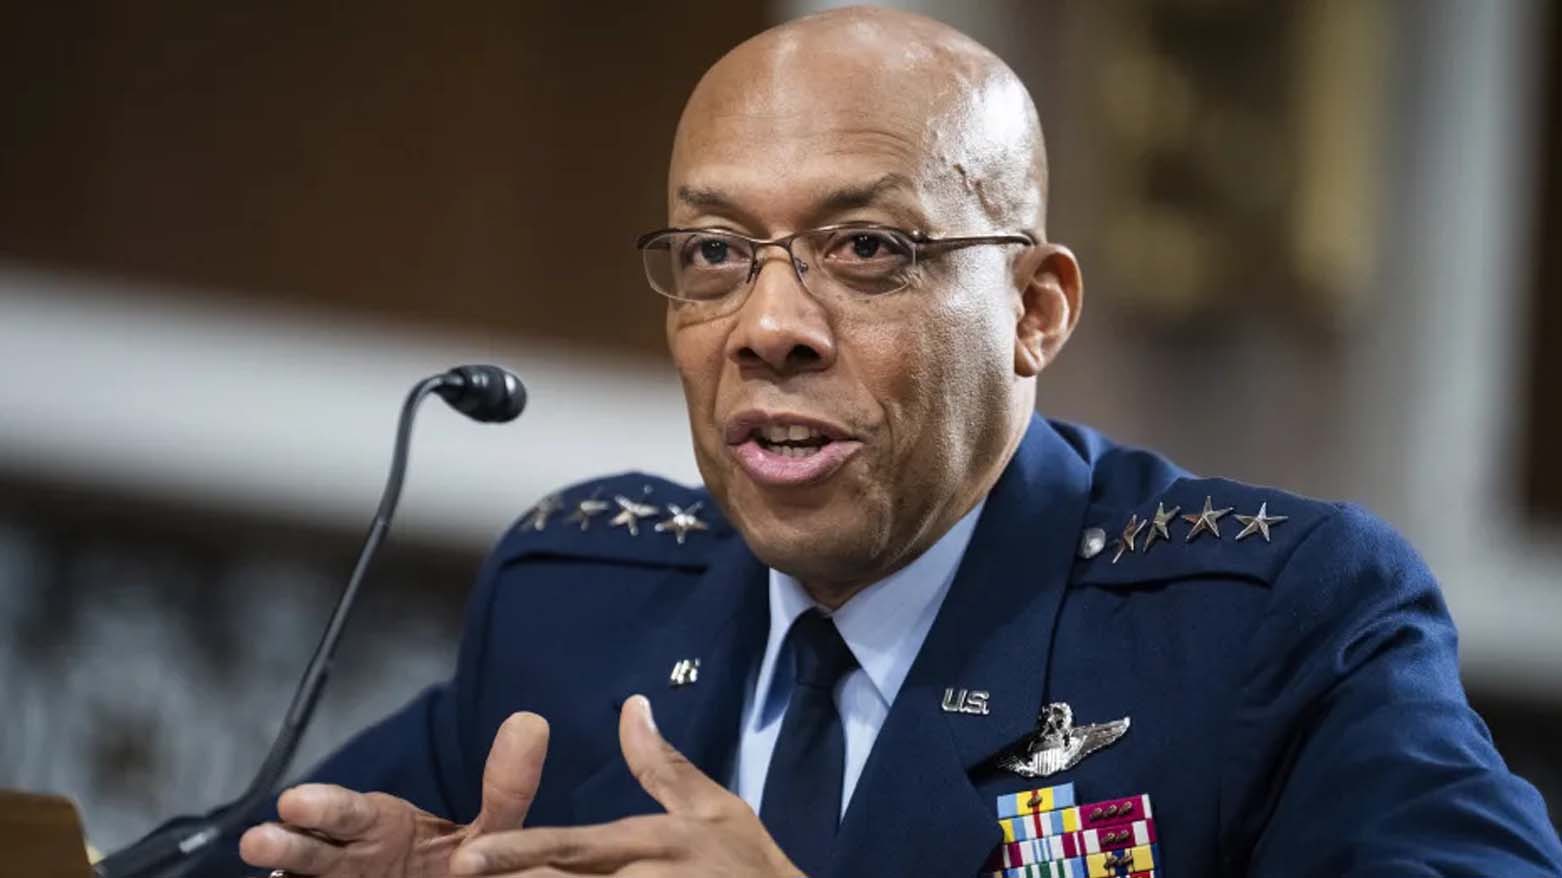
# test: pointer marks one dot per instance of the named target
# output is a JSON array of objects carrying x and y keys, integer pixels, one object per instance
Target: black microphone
[{"x": 483, "y": 393}]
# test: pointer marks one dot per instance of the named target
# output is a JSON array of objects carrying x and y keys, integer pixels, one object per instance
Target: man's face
[{"x": 842, "y": 434}]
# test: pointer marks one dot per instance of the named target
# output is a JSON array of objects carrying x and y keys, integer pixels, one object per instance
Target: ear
[{"x": 1048, "y": 308}]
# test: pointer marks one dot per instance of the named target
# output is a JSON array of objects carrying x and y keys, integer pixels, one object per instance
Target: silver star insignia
[
  {"x": 1058, "y": 745},
  {"x": 1259, "y": 524},
  {"x": 630, "y": 513},
  {"x": 1206, "y": 520},
  {"x": 537, "y": 518},
  {"x": 682, "y": 521},
  {"x": 1163, "y": 517},
  {"x": 1131, "y": 532},
  {"x": 587, "y": 508}
]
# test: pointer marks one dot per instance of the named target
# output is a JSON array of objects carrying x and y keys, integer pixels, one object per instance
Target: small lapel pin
[
  {"x": 685, "y": 672},
  {"x": 1058, "y": 744},
  {"x": 969, "y": 701}
]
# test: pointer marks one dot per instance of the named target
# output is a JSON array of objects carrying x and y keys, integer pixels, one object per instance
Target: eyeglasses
[{"x": 708, "y": 266}]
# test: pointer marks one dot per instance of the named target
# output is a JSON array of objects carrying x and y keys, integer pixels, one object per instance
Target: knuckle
[
  {"x": 714, "y": 810},
  {"x": 375, "y": 802},
  {"x": 569, "y": 852}
]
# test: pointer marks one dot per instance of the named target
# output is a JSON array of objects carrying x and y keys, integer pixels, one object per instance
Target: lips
[{"x": 788, "y": 450}]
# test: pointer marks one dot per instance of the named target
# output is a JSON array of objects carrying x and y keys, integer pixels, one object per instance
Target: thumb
[
  {"x": 661, "y": 770},
  {"x": 512, "y": 773}
]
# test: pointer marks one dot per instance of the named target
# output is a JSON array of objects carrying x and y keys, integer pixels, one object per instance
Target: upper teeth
[{"x": 787, "y": 432}]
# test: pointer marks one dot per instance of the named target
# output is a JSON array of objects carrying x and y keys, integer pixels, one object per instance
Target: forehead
[
  {"x": 790, "y": 136},
  {"x": 785, "y": 171}
]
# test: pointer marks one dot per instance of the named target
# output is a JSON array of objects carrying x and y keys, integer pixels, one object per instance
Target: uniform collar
[{"x": 883, "y": 625}]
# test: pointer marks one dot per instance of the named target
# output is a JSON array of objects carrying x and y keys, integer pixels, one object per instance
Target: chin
[{"x": 828, "y": 543}]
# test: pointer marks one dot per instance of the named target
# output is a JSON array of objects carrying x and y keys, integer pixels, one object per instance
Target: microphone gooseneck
[{"x": 483, "y": 393}]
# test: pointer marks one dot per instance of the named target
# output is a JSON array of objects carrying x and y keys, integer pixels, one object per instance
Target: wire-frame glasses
[{"x": 710, "y": 266}]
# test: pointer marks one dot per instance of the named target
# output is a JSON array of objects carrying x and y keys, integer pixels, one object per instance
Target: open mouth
[
  {"x": 790, "y": 440},
  {"x": 787, "y": 450}
]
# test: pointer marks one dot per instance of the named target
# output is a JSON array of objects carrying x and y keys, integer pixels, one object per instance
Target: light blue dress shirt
[{"x": 883, "y": 625}]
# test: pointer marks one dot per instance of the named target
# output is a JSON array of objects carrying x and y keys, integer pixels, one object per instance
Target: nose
[{"x": 781, "y": 328}]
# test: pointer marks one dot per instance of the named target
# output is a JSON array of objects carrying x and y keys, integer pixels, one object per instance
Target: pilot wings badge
[{"x": 1058, "y": 744}]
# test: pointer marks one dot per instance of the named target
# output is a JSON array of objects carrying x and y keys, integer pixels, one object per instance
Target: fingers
[
  {"x": 662, "y": 771},
  {"x": 273, "y": 846},
  {"x": 328, "y": 809},
  {"x": 588, "y": 849},
  {"x": 512, "y": 773}
]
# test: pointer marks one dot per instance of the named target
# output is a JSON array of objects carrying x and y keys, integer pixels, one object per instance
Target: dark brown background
[
  {"x": 485, "y": 166},
  {"x": 1545, "y": 388}
]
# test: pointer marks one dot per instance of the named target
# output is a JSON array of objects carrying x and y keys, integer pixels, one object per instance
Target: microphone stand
[{"x": 166, "y": 851}]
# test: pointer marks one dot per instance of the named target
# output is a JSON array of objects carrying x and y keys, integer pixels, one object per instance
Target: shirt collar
[{"x": 884, "y": 624}]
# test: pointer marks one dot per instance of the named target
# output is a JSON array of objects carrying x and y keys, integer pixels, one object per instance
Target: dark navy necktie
[{"x": 801, "y": 805}]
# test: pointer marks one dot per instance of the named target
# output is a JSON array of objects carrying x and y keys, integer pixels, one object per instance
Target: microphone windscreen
[{"x": 484, "y": 393}]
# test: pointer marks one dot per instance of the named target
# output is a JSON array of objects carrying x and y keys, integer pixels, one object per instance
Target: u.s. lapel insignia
[
  {"x": 971, "y": 701},
  {"x": 1058, "y": 744},
  {"x": 685, "y": 672}
]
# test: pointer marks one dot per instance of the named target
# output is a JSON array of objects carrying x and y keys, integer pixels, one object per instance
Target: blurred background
[{"x": 1322, "y": 241}]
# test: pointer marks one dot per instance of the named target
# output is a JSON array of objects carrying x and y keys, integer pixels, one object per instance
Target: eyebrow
[{"x": 840, "y": 199}]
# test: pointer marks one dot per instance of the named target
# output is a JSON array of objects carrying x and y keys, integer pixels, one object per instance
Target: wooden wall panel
[
  {"x": 1544, "y": 483},
  {"x": 480, "y": 164}
]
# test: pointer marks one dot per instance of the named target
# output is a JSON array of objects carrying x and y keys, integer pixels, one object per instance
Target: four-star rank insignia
[
  {"x": 1058, "y": 744},
  {"x": 626, "y": 512},
  {"x": 1158, "y": 527}
]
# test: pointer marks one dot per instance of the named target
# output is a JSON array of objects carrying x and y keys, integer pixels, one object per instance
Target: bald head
[{"x": 898, "y": 85}]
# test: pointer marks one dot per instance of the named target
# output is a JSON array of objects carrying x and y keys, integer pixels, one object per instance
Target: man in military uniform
[{"x": 907, "y": 627}]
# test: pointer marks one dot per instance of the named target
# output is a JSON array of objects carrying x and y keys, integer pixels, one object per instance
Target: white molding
[{"x": 291, "y": 412}]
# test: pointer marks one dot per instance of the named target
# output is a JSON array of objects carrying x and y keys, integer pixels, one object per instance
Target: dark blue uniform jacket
[{"x": 1295, "y": 702}]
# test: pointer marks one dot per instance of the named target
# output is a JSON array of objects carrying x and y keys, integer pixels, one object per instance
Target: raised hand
[
  {"x": 333, "y": 832},
  {"x": 707, "y": 831}
]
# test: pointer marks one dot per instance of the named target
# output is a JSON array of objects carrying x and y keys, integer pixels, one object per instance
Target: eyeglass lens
[{"x": 705, "y": 266}]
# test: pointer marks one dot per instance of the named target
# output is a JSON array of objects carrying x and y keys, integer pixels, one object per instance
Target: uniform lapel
[
  {"x": 723, "y": 622},
  {"x": 915, "y": 810}
]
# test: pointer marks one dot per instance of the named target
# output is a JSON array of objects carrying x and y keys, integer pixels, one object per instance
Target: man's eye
[
  {"x": 866, "y": 246},
  {"x": 711, "y": 252}
]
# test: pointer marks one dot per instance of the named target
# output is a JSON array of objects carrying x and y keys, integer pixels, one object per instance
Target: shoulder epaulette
[
  {"x": 628, "y": 518},
  {"x": 1196, "y": 527}
]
